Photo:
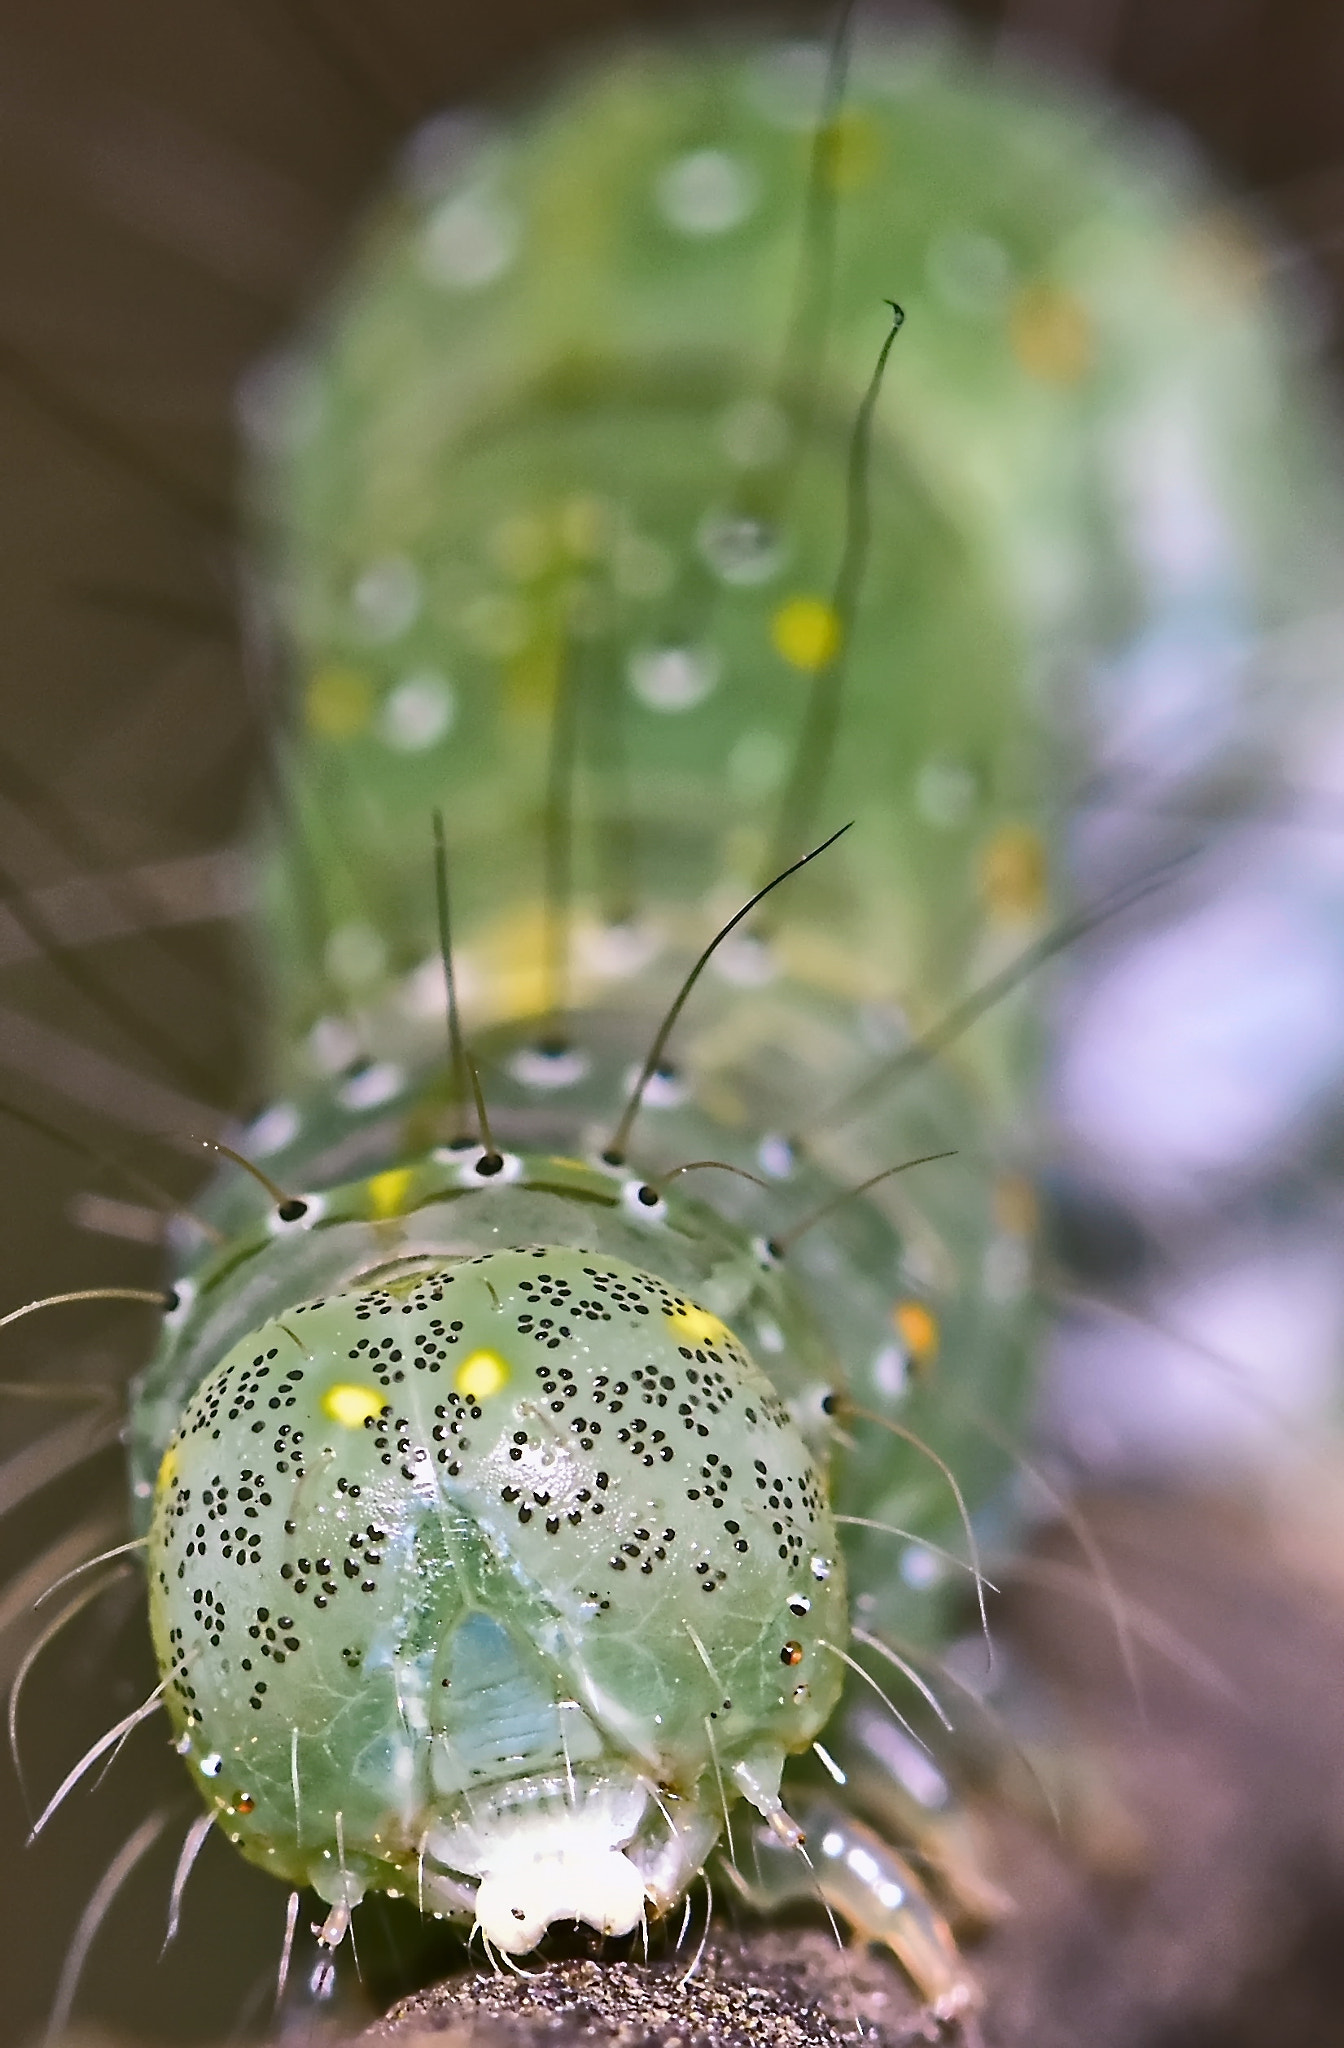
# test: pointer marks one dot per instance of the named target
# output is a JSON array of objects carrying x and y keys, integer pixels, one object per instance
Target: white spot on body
[
  {"x": 741, "y": 551},
  {"x": 707, "y": 192},
  {"x": 424, "y": 992},
  {"x": 890, "y": 1372},
  {"x": 537, "y": 1067},
  {"x": 372, "y": 1086},
  {"x": 275, "y": 1128},
  {"x": 470, "y": 241},
  {"x": 664, "y": 1088},
  {"x": 774, "y": 1156},
  {"x": 673, "y": 678},
  {"x": 745, "y": 961},
  {"x": 617, "y": 950},
  {"x": 920, "y": 1568},
  {"x": 419, "y": 712},
  {"x": 332, "y": 1043},
  {"x": 385, "y": 598}
]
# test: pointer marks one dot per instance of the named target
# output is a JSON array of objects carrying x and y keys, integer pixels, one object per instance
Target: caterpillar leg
[{"x": 872, "y": 1887}]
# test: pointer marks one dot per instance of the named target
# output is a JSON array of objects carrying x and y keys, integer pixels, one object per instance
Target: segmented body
[{"x": 493, "y": 1552}]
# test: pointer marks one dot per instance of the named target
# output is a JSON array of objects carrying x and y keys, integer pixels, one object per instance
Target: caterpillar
[{"x": 516, "y": 1505}]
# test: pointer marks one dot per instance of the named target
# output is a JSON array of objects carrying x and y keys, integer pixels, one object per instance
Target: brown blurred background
[{"x": 175, "y": 183}]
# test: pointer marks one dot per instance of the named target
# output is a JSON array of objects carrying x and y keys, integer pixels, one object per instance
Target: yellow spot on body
[
  {"x": 698, "y": 1326},
  {"x": 350, "y": 1405},
  {"x": 167, "y": 1469},
  {"x": 387, "y": 1191},
  {"x": 807, "y": 632},
  {"x": 338, "y": 703},
  {"x": 481, "y": 1375},
  {"x": 917, "y": 1327},
  {"x": 1013, "y": 873},
  {"x": 851, "y": 151},
  {"x": 1051, "y": 334}
]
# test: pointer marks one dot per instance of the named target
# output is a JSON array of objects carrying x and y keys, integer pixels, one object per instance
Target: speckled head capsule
[{"x": 494, "y": 1586}]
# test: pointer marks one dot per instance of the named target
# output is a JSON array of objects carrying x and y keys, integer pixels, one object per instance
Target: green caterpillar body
[{"x": 491, "y": 1487}]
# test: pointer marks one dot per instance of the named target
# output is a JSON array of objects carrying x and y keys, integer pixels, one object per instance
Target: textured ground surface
[{"x": 1228, "y": 1935}]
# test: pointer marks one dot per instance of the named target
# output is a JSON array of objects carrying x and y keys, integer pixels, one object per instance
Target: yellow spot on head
[
  {"x": 698, "y": 1326},
  {"x": 1051, "y": 335},
  {"x": 338, "y": 703},
  {"x": 387, "y": 1191},
  {"x": 1013, "y": 873},
  {"x": 481, "y": 1375},
  {"x": 806, "y": 631},
  {"x": 917, "y": 1327},
  {"x": 350, "y": 1405}
]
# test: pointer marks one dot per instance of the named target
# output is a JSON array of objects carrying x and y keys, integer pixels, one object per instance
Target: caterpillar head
[{"x": 493, "y": 1585}]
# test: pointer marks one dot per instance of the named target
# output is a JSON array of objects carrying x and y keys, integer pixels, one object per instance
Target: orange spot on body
[
  {"x": 1051, "y": 335},
  {"x": 1015, "y": 1205},
  {"x": 1013, "y": 872},
  {"x": 917, "y": 1327}
]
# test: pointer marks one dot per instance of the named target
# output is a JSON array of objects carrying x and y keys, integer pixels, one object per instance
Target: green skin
[
  {"x": 371, "y": 1811},
  {"x": 479, "y": 477},
  {"x": 399, "y": 1637}
]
